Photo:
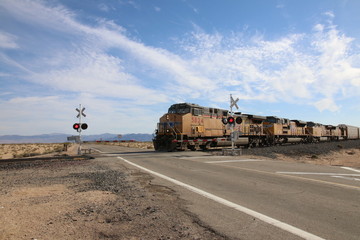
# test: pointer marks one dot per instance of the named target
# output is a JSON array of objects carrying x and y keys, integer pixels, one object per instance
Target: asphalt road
[{"x": 256, "y": 198}]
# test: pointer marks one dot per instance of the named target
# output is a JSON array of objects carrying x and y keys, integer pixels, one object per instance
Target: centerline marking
[
  {"x": 315, "y": 173},
  {"x": 260, "y": 216},
  {"x": 347, "y": 178}
]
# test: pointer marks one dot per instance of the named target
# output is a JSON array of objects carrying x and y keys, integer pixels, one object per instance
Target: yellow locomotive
[{"x": 190, "y": 126}]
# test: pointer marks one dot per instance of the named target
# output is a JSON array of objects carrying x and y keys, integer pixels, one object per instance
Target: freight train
[{"x": 190, "y": 126}]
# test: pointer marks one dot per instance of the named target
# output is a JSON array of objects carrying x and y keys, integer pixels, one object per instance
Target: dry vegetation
[
  {"x": 342, "y": 153},
  {"x": 8, "y": 151},
  {"x": 142, "y": 145}
]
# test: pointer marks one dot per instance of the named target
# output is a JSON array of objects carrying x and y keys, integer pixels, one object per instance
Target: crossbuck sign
[
  {"x": 81, "y": 112},
  {"x": 233, "y": 103}
]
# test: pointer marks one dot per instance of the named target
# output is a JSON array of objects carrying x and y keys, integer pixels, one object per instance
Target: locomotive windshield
[{"x": 179, "y": 109}]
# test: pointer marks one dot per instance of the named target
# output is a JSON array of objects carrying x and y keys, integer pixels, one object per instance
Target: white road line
[
  {"x": 202, "y": 157},
  {"x": 262, "y": 217},
  {"x": 315, "y": 173},
  {"x": 97, "y": 150},
  {"x": 351, "y": 169},
  {"x": 239, "y": 160},
  {"x": 347, "y": 178}
]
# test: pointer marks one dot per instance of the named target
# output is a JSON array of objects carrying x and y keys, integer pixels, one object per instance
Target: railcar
[{"x": 191, "y": 126}]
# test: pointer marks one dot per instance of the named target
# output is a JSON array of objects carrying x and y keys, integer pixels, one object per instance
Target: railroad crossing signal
[{"x": 80, "y": 125}]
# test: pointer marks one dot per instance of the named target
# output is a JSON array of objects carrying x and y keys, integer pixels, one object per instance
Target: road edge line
[{"x": 351, "y": 169}]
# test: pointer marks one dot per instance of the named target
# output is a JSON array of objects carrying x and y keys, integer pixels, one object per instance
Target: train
[{"x": 188, "y": 126}]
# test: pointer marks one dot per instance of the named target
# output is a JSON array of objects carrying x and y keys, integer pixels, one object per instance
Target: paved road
[{"x": 255, "y": 198}]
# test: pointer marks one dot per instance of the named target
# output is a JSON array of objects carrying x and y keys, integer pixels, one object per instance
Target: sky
[{"x": 127, "y": 61}]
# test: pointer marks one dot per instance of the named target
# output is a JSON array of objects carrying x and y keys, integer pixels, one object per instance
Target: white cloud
[
  {"x": 306, "y": 68},
  {"x": 8, "y": 40},
  {"x": 326, "y": 104},
  {"x": 97, "y": 74},
  {"x": 103, "y": 7},
  {"x": 329, "y": 14}
]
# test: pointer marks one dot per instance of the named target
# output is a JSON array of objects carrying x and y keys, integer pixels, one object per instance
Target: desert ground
[
  {"x": 82, "y": 198},
  {"x": 8, "y": 151}
]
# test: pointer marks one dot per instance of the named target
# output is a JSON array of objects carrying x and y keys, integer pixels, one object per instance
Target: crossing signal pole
[{"x": 231, "y": 120}]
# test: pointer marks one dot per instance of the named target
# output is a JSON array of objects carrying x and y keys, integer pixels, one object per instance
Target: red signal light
[
  {"x": 231, "y": 120},
  {"x": 76, "y": 126}
]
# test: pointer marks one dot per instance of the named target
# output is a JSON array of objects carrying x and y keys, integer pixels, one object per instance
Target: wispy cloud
[
  {"x": 7, "y": 40},
  {"x": 314, "y": 69}
]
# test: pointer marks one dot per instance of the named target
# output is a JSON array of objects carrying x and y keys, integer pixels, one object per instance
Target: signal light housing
[
  {"x": 232, "y": 120},
  {"x": 238, "y": 120},
  {"x": 76, "y": 126}
]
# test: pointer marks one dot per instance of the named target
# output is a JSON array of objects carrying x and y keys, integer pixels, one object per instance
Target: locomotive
[{"x": 191, "y": 126}]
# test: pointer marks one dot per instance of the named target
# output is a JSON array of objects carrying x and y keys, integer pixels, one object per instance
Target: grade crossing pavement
[{"x": 256, "y": 198}]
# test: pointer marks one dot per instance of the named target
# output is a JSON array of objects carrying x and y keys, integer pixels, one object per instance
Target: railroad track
[{"x": 32, "y": 159}]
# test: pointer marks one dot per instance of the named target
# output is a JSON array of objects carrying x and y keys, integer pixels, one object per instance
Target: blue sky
[{"x": 127, "y": 61}]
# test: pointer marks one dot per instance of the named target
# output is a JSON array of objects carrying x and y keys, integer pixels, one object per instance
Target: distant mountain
[
  {"x": 43, "y": 138},
  {"x": 60, "y": 137},
  {"x": 141, "y": 137}
]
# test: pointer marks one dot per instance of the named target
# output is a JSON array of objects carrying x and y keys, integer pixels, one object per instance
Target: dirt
[
  {"x": 342, "y": 153},
  {"x": 91, "y": 199},
  {"x": 102, "y": 199}
]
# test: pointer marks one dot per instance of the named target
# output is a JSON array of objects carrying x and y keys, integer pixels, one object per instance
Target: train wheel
[
  {"x": 204, "y": 147},
  {"x": 192, "y": 147},
  {"x": 170, "y": 147}
]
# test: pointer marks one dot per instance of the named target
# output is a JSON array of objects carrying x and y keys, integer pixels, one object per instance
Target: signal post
[{"x": 231, "y": 120}]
